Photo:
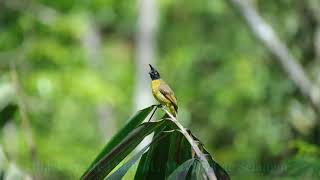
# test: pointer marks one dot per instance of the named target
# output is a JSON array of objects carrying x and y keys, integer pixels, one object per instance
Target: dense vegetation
[{"x": 232, "y": 93}]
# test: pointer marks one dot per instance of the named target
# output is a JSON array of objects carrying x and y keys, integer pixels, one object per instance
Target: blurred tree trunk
[
  {"x": 145, "y": 54},
  {"x": 310, "y": 17},
  {"x": 265, "y": 33},
  {"x": 91, "y": 42},
  {"x": 145, "y": 51}
]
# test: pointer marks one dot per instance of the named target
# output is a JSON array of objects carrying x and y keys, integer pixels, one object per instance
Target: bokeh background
[{"x": 77, "y": 70}]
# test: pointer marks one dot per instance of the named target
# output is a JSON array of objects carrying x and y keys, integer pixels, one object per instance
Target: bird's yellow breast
[{"x": 155, "y": 84}]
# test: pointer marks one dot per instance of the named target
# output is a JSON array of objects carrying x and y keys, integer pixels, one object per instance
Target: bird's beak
[{"x": 151, "y": 67}]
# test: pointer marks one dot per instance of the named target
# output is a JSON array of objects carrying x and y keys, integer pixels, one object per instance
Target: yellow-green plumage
[{"x": 163, "y": 93}]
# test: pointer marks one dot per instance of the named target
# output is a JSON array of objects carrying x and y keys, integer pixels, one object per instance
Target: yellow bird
[{"x": 162, "y": 92}]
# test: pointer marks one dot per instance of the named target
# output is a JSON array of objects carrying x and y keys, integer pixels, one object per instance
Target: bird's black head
[{"x": 154, "y": 74}]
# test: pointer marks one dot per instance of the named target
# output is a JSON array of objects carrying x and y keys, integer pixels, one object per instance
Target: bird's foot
[{"x": 160, "y": 106}]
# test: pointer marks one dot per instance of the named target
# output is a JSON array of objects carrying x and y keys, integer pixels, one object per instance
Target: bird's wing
[{"x": 168, "y": 94}]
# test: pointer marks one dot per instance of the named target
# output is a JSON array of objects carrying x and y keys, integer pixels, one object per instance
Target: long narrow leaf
[
  {"x": 198, "y": 172},
  {"x": 179, "y": 152},
  {"x": 108, "y": 162},
  {"x": 153, "y": 164},
  {"x": 220, "y": 173},
  {"x": 132, "y": 123},
  {"x": 119, "y": 173},
  {"x": 164, "y": 157},
  {"x": 182, "y": 171}
]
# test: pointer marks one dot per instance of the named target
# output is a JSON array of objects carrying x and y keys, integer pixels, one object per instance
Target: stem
[
  {"x": 211, "y": 175},
  {"x": 154, "y": 110}
]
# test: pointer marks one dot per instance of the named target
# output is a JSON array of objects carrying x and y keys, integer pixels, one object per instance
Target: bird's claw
[{"x": 159, "y": 106}]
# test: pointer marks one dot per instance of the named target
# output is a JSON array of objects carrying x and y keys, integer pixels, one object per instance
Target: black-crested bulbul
[{"x": 162, "y": 92}]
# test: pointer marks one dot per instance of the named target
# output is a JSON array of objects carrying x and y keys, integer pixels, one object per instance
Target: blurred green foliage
[{"x": 231, "y": 93}]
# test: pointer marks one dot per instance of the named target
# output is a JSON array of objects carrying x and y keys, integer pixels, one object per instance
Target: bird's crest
[{"x": 154, "y": 74}]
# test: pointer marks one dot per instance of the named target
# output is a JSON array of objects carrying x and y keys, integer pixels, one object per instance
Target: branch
[
  {"x": 264, "y": 32},
  {"x": 203, "y": 160},
  {"x": 145, "y": 50}
]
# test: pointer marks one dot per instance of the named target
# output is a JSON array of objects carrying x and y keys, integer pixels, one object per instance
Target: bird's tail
[{"x": 173, "y": 110}]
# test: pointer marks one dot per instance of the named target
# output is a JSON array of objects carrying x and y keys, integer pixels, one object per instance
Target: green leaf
[
  {"x": 153, "y": 166},
  {"x": 218, "y": 170},
  {"x": 119, "y": 173},
  {"x": 198, "y": 171},
  {"x": 109, "y": 161},
  {"x": 220, "y": 173},
  {"x": 132, "y": 123},
  {"x": 179, "y": 152},
  {"x": 153, "y": 163},
  {"x": 182, "y": 171},
  {"x": 164, "y": 157}
]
